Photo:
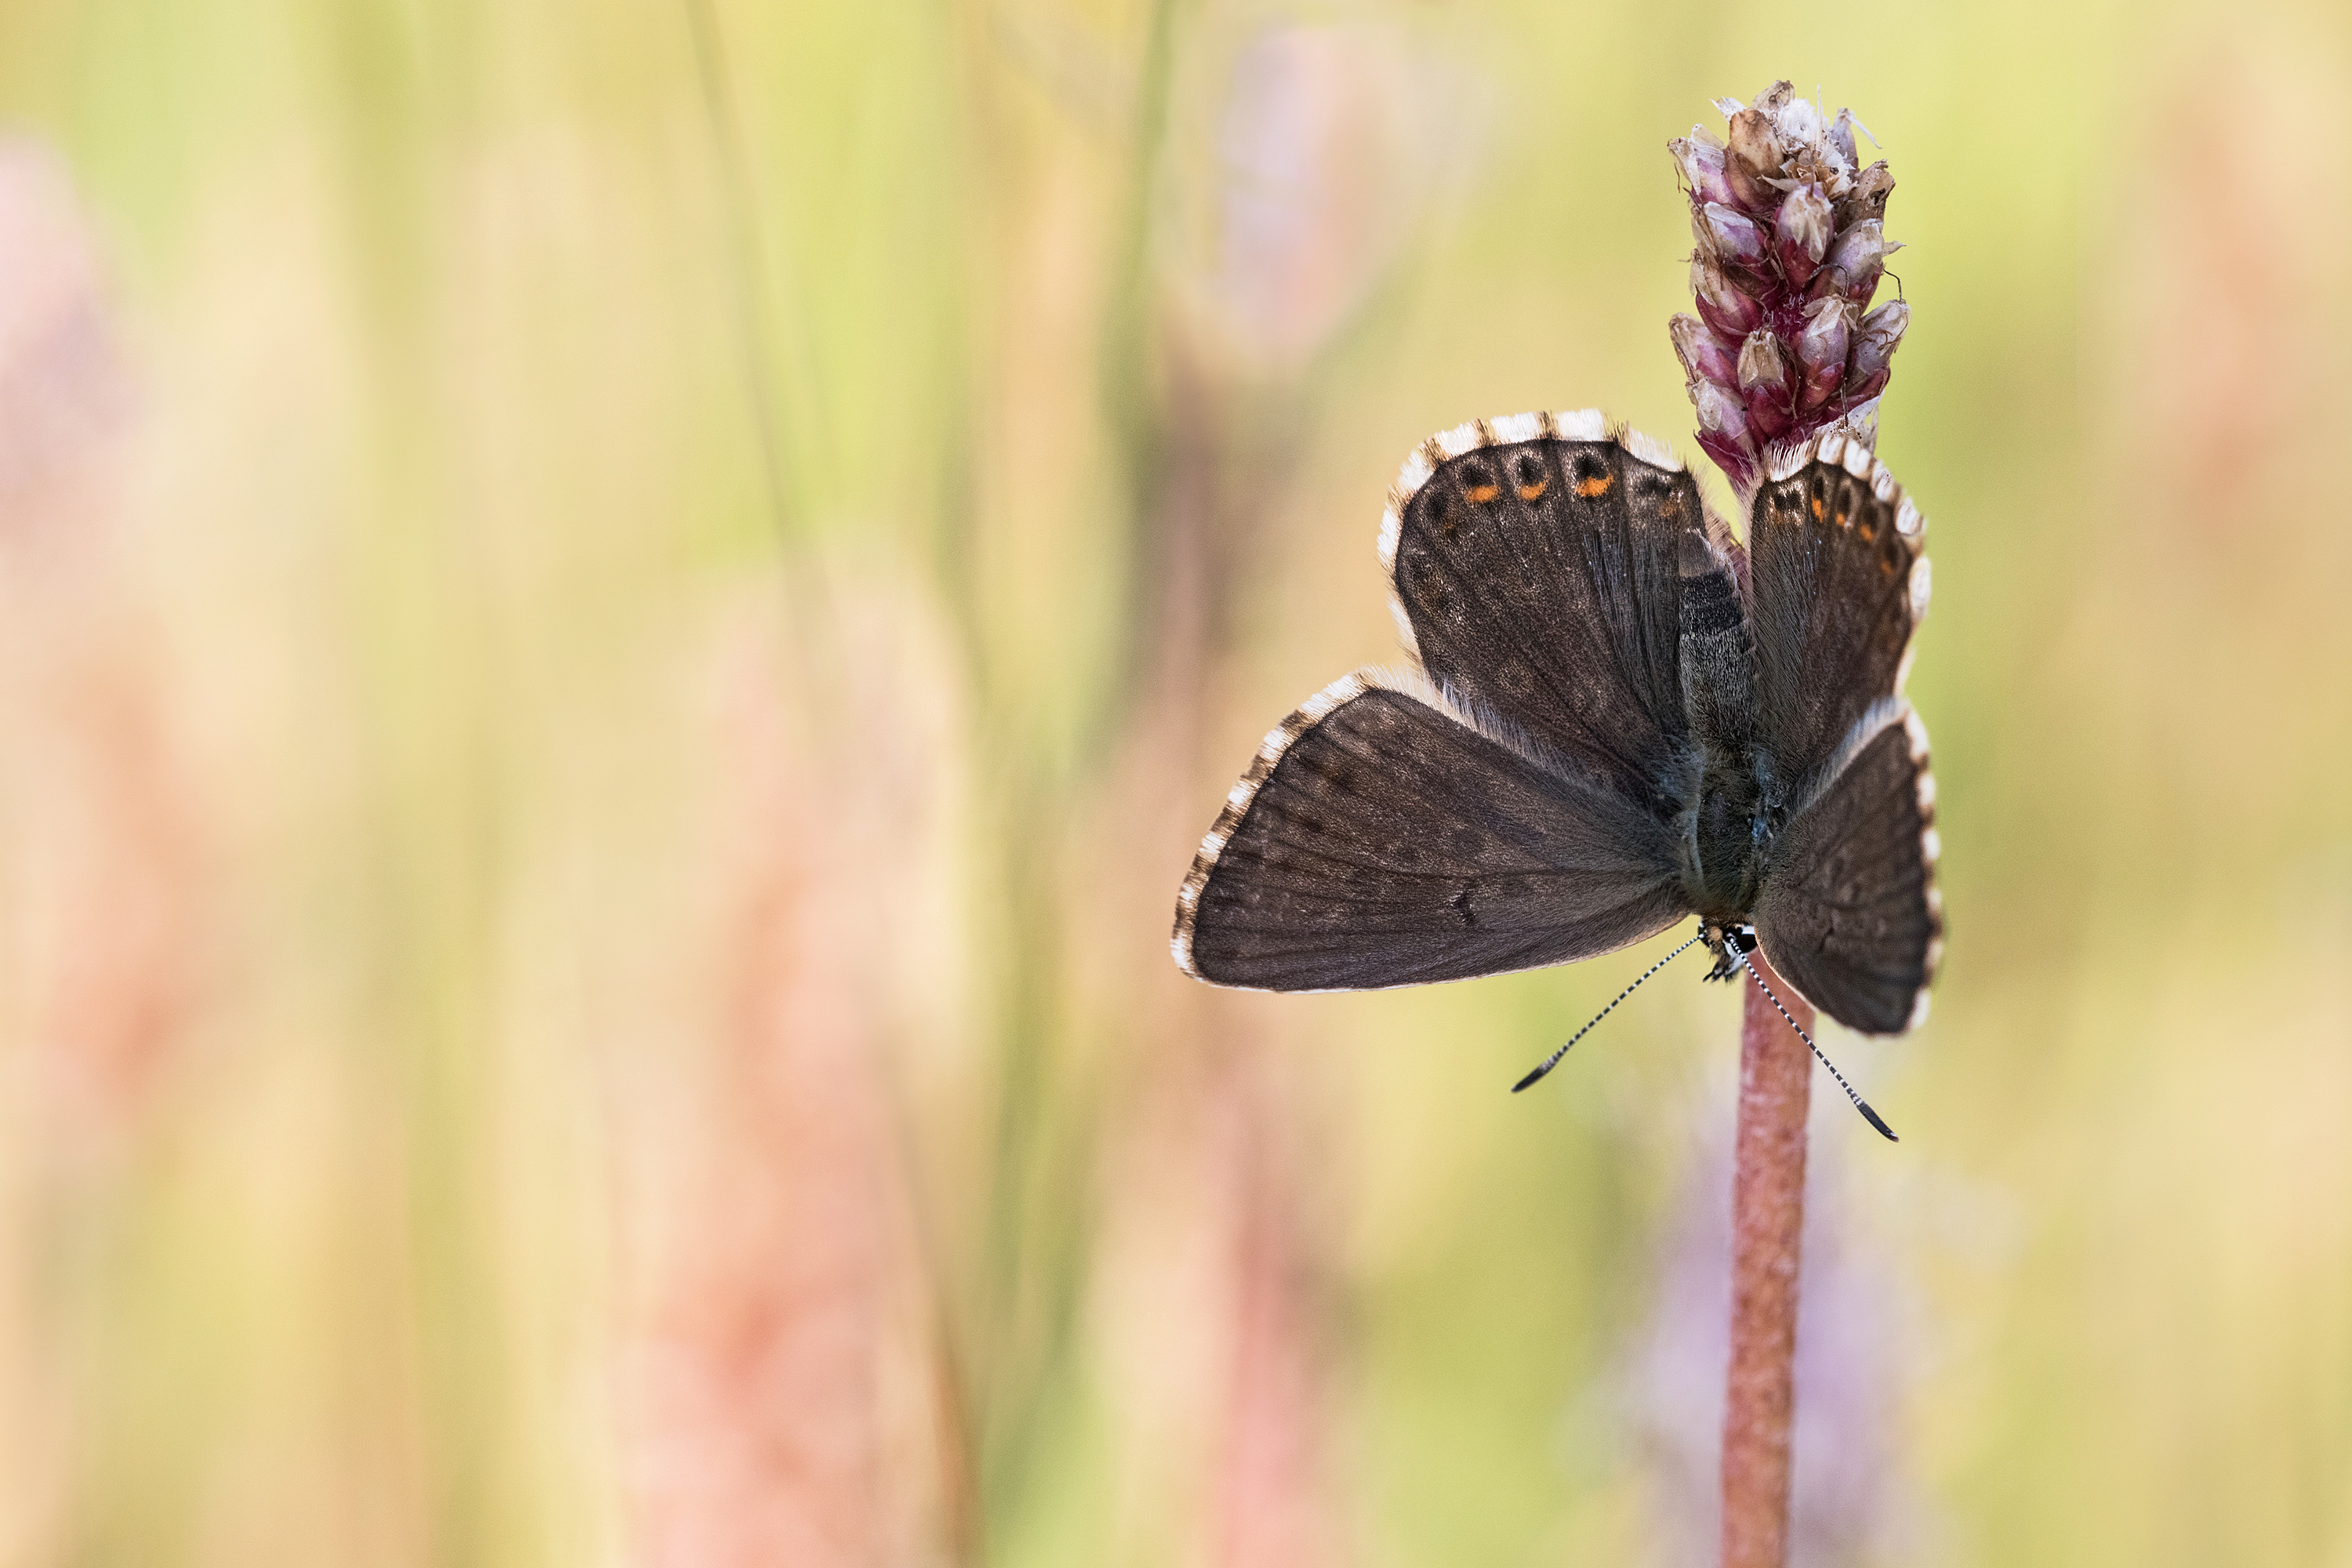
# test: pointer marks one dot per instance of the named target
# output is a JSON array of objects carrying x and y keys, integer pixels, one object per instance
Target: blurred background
[{"x": 617, "y": 622}]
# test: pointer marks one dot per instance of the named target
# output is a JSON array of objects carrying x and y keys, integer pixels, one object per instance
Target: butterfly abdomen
[{"x": 1721, "y": 840}]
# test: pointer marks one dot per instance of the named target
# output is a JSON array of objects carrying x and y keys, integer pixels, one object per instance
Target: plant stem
[{"x": 1768, "y": 1215}]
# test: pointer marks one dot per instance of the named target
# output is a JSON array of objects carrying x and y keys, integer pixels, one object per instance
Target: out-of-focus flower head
[
  {"x": 64, "y": 394},
  {"x": 1853, "y": 1498},
  {"x": 1301, "y": 171},
  {"x": 1791, "y": 246}
]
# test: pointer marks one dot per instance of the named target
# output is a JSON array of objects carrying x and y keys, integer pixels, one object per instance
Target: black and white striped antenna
[
  {"x": 1739, "y": 956},
  {"x": 1552, "y": 1060}
]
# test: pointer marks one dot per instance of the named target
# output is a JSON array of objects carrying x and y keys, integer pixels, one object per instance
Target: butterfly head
[{"x": 1724, "y": 938}]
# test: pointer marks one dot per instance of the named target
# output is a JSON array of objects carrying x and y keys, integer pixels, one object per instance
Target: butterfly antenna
[
  {"x": 1552, "y": 1060},
  {"x": 1858, "y": 1104}
]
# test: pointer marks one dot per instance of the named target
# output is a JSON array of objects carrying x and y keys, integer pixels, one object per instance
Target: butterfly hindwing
[
  {"x": 1378, "y": 840},
  {"x": 1534, "y": 562},
  {"x": 1837, "y": 586},
  {"x": 1849, "y": 911}
]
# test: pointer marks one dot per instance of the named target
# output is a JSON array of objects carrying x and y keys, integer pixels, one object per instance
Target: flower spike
[{"x": 1790, "y": 248}]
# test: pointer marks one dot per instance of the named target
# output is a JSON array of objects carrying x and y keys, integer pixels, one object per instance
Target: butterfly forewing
[
  {"x": 1847, "y": 905},
  {"x": 1836, "y": 588},
  {"x": 1538, "y": 579},
  {"x": 1380, "y": 841},
  {"x": 1849, "y": 911}
]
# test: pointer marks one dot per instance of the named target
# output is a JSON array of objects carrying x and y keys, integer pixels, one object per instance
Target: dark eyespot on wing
[
  {"x": 1530, "y": 476},
  {"x": 1849, "y": 910},
  {"x": 1382, "y": 842}
]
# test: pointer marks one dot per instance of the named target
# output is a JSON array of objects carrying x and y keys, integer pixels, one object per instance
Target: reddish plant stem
[{"x": 1768, "y": 1218}]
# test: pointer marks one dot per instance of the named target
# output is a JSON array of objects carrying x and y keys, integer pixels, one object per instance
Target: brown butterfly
[{"x": 1621, "y": 717}]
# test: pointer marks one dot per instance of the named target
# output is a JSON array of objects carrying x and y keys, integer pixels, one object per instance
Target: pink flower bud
[
  {"x": 1802, "y": 234},
  {"x": 1798, "y": 121},
  {"x": 1874, "y": 349},
  {"x": 1721, "y": 413},
  {"x": 1755, "y": 156},
  {"x": 1700, "y": 158},
  {"x": 1731, "y": 238},
  {"x": 1868, "y": 198},
  {"x": 1842, "y": 137},
  {"x": 1855, "y": 261},
  {"x": 1821, "y": 351},
  {"x": 1732, "y": 312},
  {"x": 1740, "y": 463},
  {"x": 1701, "y": 352},
  {"x": 1761, "y": 363},
  {"x": 1764, "y": 384}
]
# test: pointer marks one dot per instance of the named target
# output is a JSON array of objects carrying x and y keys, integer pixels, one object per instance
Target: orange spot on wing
[
  {"x": 1534, "y": 491},
  {"x": 1817, "y": 509},
  {"x": 1867, "y": 533},
  {"x": 1885, "y": 567},
  {"x": 1597, "y": 486},
  {"x": 1482, "y": 494}
]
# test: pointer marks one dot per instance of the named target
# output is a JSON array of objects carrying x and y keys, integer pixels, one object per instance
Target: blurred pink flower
[
  {"x": 2225, "y": 247},
  {"x": 64, "y": 392},
  {"x": 107, "y": 856},
  {"x": 782, "y": 1403},
  {"x": 1330, "y": 143},
  {"x": 1213, "y": 1302},
  {"x": 1851, "y": 1501}
]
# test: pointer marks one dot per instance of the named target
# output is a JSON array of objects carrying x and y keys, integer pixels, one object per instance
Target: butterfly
[{"x": 1620, "y": 716}]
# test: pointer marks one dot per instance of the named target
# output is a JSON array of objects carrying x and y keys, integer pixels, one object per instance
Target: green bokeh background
[{"x": 698, "y": 570}]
